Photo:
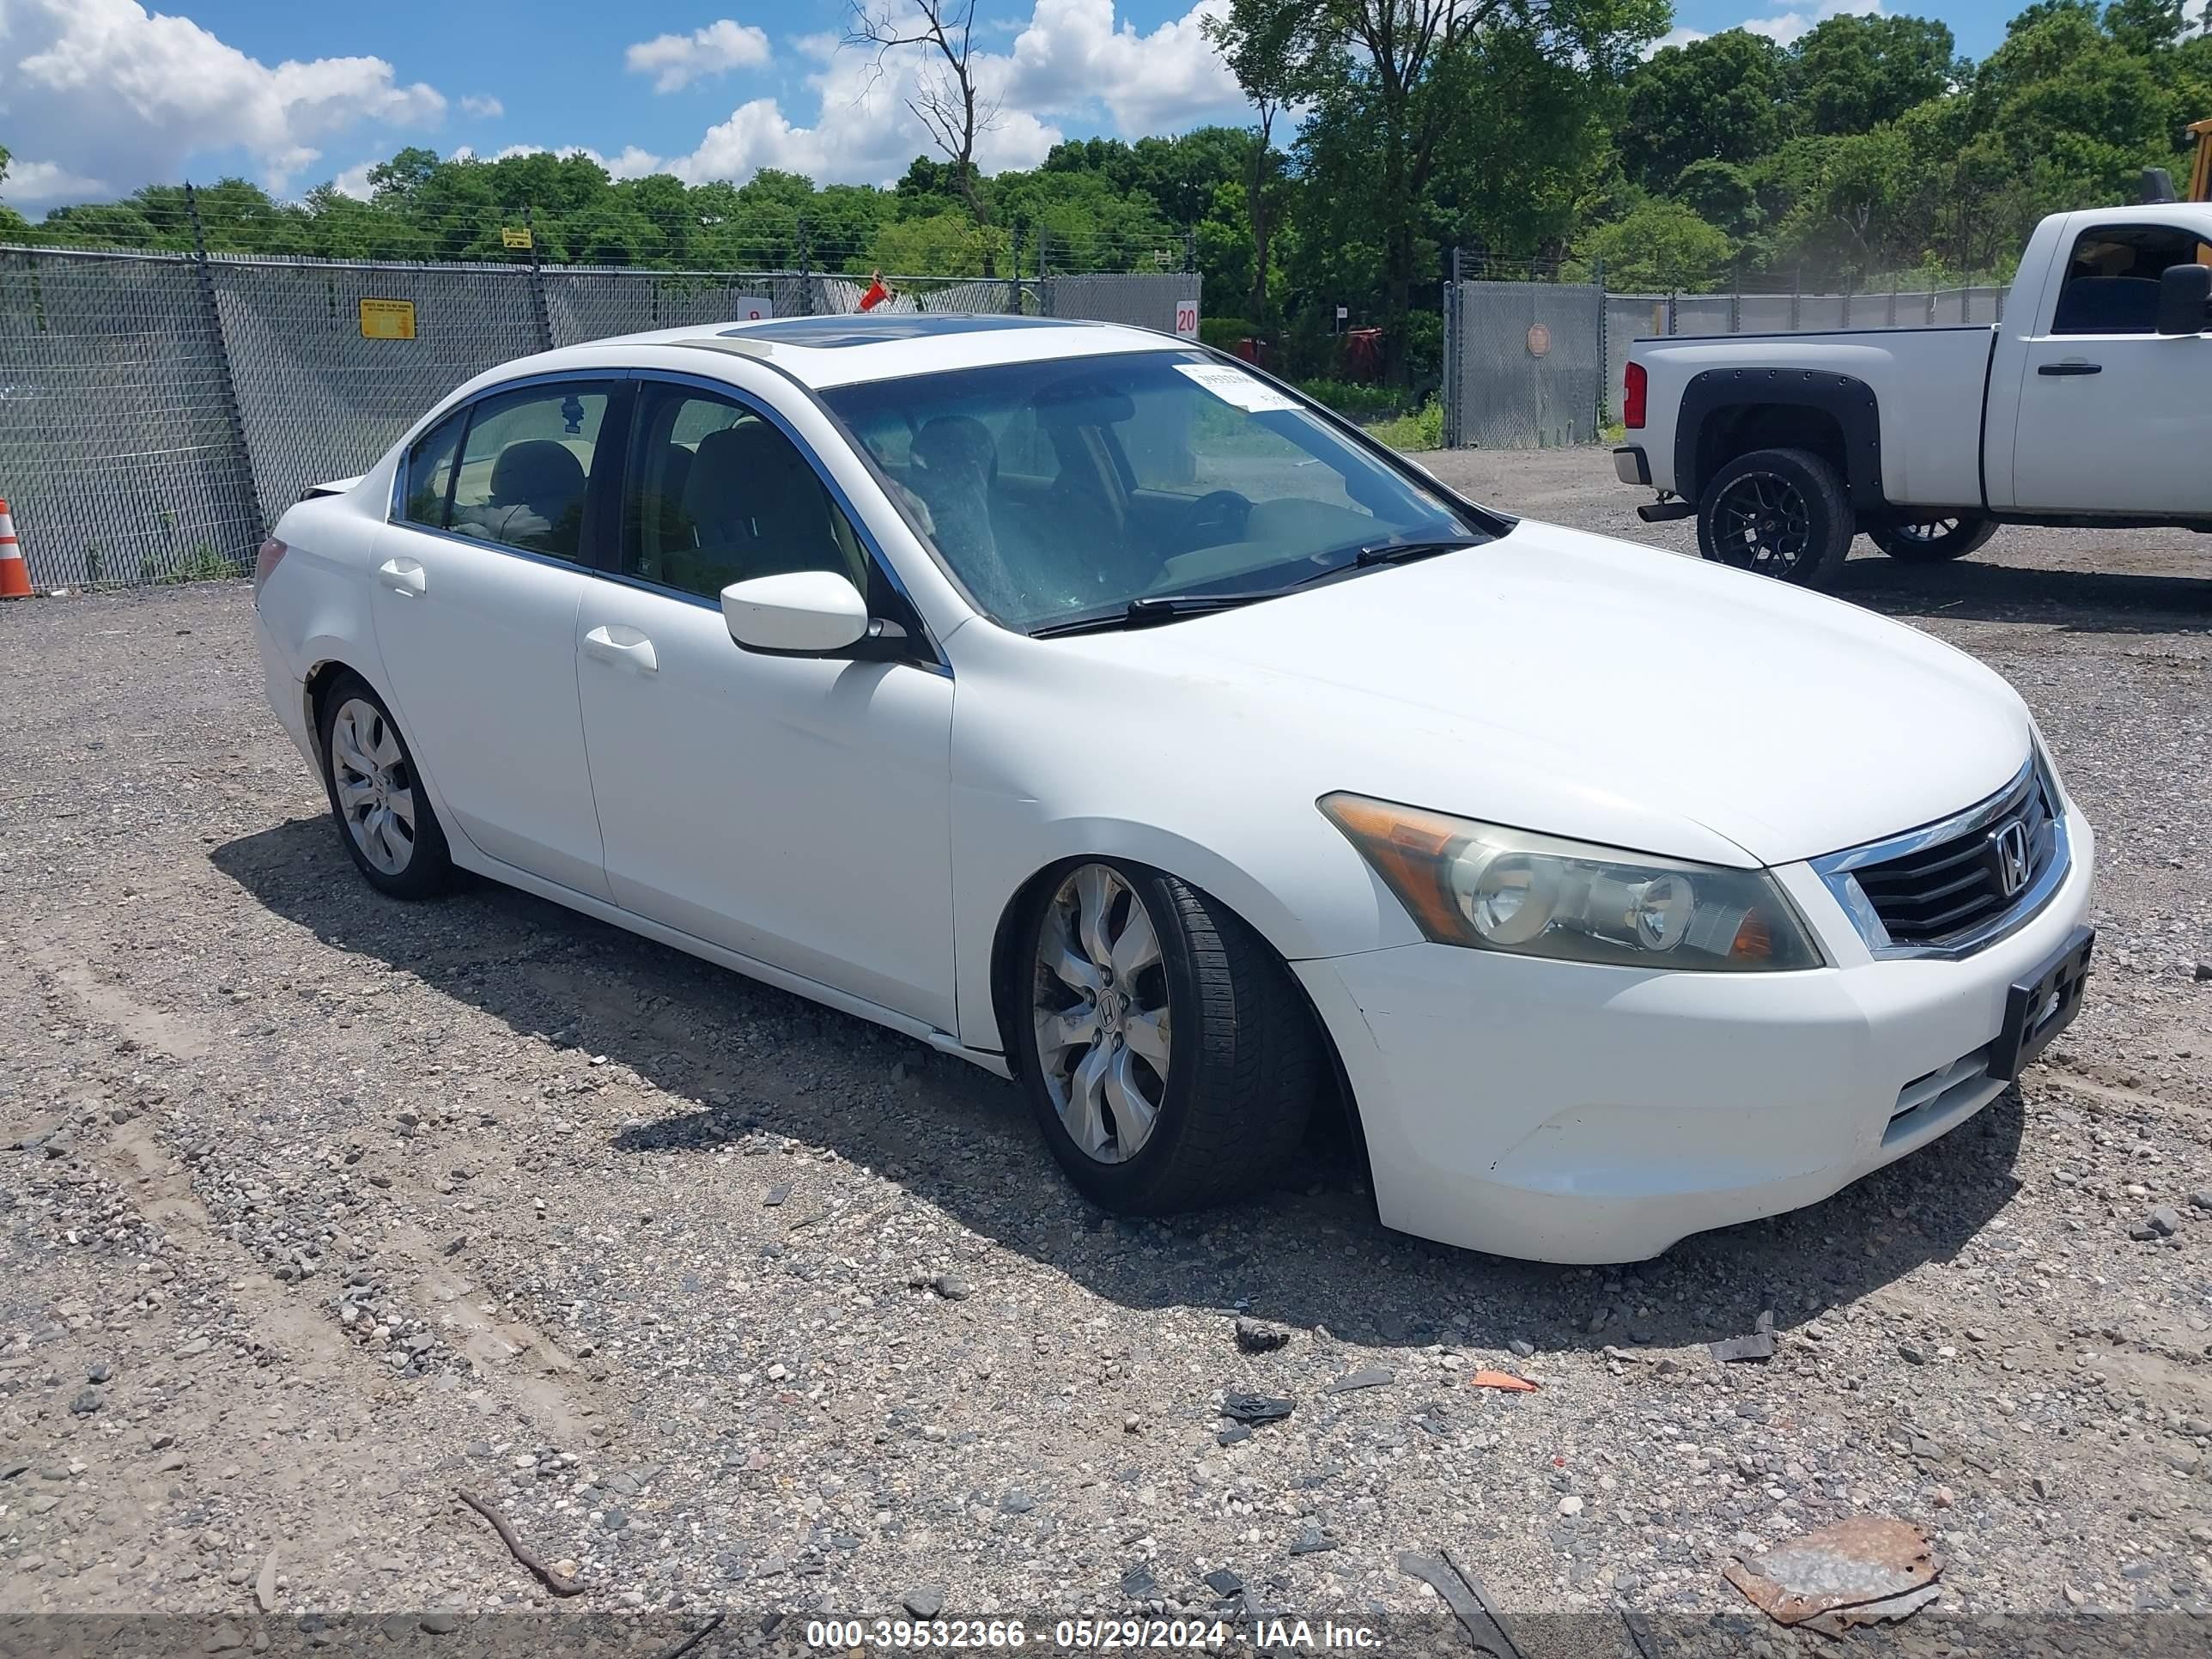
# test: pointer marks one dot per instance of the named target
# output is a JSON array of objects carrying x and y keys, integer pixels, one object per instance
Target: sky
[{"x": 98, "y": 97}]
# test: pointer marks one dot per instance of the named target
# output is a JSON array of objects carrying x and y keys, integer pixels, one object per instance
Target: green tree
[
  {"x": 1392, "y": 70},
  {"x": 1659, "y": 244},
  {"x": 13, "y": 225},
  {"x": 1853, "y": 73},
  {"x": 1723, "y": 99}
]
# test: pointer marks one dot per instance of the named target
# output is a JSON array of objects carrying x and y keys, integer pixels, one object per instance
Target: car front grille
[
  {"x": 1957, "y": 885},
  {"x": 1946, "y": 891}
]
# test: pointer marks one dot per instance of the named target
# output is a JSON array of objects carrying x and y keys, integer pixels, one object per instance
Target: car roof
[{"x": 843, "y": 350}]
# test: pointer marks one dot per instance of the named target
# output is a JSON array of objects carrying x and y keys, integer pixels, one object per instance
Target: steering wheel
[{"x": 1221, "y": 510}]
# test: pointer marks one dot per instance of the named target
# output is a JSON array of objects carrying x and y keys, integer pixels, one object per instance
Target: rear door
[
  {"x": 475, "y": 584},
  {"x": 2112, "y": 412}
]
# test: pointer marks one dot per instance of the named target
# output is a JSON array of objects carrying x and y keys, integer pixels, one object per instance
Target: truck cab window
[{"x": 2112, "y": 277}]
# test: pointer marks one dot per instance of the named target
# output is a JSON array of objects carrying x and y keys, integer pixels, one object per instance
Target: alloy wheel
[
  {"x": 1761, "y": 523},
  {"x": 1927, "y": 530},
  {"x": 1101, "y": 1014},
  {"x": 374, "y": 784}
]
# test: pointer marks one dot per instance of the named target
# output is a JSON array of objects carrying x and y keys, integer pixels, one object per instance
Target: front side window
[
  {"x": 716, "y": 494},
  {"x": 524, "y": 462},
  {"x": 2112, "y": 277},
  {"x": 1062, "y": 490}
]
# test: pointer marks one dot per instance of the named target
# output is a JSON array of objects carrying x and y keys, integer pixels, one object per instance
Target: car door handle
[
  {"x": 2069, "y": 368},
  {"x": 404, "y": 576},
  {"x": 623, "y": 645}
]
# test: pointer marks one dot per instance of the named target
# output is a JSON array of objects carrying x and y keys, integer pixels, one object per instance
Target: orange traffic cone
[{"x": 14, "y": 577}]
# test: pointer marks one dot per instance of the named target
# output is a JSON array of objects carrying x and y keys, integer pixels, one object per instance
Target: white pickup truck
[{"x": 2089, "y": 405}]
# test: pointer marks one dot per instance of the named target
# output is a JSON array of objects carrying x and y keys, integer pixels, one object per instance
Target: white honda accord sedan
[{"x": 1081, "y": 703}]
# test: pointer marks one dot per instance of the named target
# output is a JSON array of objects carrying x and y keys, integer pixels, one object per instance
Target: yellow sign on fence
[
  {"x": 387, "y": 319},
  {"x": 510, "y": 237}
]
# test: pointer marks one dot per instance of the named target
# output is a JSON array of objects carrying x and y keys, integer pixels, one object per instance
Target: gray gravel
[{"x": 348, "y": 1203}]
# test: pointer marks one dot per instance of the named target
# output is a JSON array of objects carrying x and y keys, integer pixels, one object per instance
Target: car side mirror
[
  {"x": 800, "y": 613},
  {"x": 2185, "y": 299}
]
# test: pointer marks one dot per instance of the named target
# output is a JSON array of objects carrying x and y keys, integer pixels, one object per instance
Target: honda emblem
[{"x": 2008, "y": 843}]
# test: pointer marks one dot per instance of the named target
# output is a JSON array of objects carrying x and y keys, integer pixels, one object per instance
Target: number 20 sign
[{"x": 1186, "y": 318}]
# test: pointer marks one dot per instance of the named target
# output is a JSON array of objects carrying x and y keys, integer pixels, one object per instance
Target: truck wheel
[
  {"x": 1929, "y": 541},
  {"x": 1779, "y": 513}
]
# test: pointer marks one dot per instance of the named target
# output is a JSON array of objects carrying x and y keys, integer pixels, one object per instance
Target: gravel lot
[{"x": 323, "y": 1206}]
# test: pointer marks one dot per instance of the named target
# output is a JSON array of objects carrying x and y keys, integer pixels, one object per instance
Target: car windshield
[{"x": 1067, "y": 490}]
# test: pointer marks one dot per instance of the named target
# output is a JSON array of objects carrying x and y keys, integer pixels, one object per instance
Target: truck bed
[{"x": 1930, "y": 381}]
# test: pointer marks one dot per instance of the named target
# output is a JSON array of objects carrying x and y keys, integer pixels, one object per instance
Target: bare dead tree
[{"x": 945, "y": 99}]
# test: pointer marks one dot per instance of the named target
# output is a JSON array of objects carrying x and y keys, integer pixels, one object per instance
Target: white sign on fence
[
  {"x": 1186, "y": 318},
  {"x": 751, "y": 308}
]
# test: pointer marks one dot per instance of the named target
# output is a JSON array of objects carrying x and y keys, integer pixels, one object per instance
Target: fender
[{"x": 1849, "y": 400}]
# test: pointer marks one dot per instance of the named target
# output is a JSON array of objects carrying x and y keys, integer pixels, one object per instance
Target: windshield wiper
[
  {"x": 1408, "y": 552},
  {"x": 1149, "y": 609},
  {"x": 1366, "y": 558}
]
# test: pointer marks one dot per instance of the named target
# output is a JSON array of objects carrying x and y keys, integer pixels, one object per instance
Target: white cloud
[
  {"x": 118, "y": 96},
  {"x": 675, "y": 61},
  {"x": 630, "y": 163},
  {"x": 1680, "y": 35},
  {"x": 1071, "y": 55},
  {"x": 30, "y": 181},
  {"x": 354, "y": 182},
  {"x": 1069, "y": 61},
  {"x": 482, "y": 105},
  {"x": 1784, "y": 28},
  {"x": 1789, "y": 27}
]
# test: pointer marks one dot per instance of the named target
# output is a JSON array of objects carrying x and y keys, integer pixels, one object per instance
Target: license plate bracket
[{"x": 2042, "y": 1004}]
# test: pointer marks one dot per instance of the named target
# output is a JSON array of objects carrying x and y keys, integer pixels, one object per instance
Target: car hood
[{"x": 1587, "y": 687}]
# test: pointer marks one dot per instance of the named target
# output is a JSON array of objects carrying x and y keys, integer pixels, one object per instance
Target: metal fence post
[
  {"x": 1735, "y": 299},
  {"x": 1604, "y": 344},
  {"x": 1848, "y": 276},
  {"x": 1014, "y": 279},
  {"x": 543, "y": 316},
  {"x": 805, "y": 269},
  {"x": 1674, "y": 308},
  {"x": 249, "y": 493},
  {"x": 1796, "y": 296},
  {"x": 1190, "y": 251},
  {"x": 1452, "y": 372}
]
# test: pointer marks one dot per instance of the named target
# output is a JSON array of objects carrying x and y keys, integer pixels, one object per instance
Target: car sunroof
[{"x": 819, "y": 333}]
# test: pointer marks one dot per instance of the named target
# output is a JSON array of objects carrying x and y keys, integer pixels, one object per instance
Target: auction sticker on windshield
[{"x": 1234, "y": 385}]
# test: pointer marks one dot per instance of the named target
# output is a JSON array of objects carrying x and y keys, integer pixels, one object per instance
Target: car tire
[
  {"x": 1779, "y": 513},
  {"x": 1242, "y": 1063},
  {"x": 383, "y": 814},
  {"x": 1932, "y": 541}
]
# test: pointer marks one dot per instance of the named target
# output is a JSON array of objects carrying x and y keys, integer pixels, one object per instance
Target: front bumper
[{"x": 1563, "y": 1112}]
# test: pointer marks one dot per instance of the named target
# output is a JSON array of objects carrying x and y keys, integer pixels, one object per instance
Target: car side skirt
[{"x": 472, "y": 858}]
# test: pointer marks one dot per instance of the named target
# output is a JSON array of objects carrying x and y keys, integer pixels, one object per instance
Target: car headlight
[{"x": 1494, "y": 889}]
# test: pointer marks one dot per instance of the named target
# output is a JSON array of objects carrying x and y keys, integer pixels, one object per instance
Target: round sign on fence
[{"x": 1539, "y": 339}]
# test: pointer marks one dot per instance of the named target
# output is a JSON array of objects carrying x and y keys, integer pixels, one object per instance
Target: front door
[
  {"x": 475, "y": 590},
  {"x": 794, "y": 810},
  {"x": 2112, "y": 412}
]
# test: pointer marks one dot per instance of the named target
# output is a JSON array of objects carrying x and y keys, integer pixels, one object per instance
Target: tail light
[
  {"x": 1632, "y": 400},
  {"x": 265, "y": 561}
]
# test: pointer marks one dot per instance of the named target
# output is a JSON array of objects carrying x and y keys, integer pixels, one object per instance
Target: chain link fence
[
  {"x": 158, "y": 411},
  {"x": 1521, "y": 364}
]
